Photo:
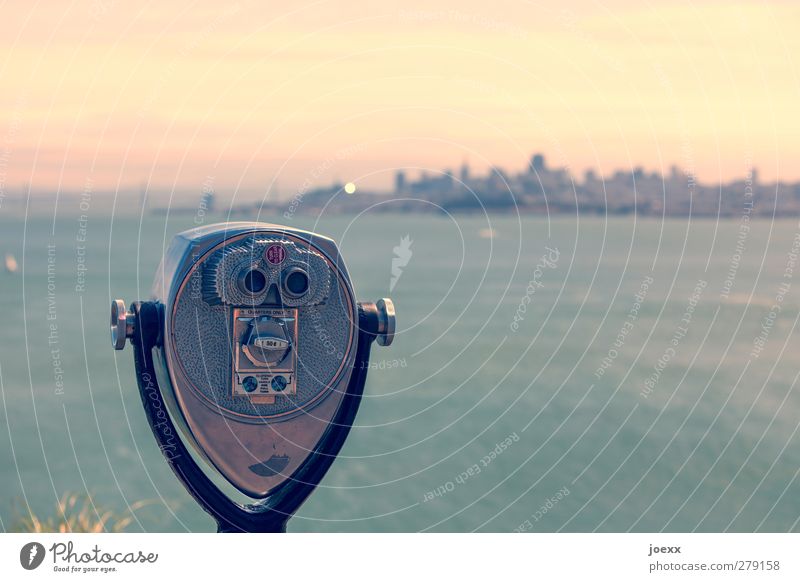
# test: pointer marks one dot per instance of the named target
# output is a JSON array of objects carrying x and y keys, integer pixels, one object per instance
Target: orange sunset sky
[{"x": 261, "y": 97}]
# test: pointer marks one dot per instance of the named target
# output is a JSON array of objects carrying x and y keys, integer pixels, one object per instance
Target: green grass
[{"x": 78, "y": 513}]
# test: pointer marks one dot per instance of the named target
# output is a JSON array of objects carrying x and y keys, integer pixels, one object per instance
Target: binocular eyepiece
[{"x": 255, "y": 344}]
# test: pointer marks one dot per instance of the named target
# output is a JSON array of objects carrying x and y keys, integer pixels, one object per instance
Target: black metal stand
[{"x": 272, "y": 514}]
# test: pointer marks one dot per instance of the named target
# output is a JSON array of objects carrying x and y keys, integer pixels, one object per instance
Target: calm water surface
[{"x": 493, "y": 407}]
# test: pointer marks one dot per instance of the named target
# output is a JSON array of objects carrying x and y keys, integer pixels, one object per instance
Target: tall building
[
  {"x": 207, "y": 201},
  {"x": 464, "y": 174},
  {"x": 399, "y": 181}
]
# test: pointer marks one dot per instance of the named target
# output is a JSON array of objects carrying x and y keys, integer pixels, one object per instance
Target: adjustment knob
[
  {"x": 386, "y": 321},
  {"x": 122, "y": 324}
]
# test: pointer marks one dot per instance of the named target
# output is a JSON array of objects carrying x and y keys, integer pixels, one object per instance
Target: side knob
[
  {"x": 122, "y": 324},
  {"x": 386, "y": 321}
]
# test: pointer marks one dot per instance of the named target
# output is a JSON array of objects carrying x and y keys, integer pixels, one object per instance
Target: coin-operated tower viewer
[{"x": 251, "y": 360}]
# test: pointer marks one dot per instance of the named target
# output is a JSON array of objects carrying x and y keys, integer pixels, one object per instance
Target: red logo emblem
[{"x": 275, "y": 254}]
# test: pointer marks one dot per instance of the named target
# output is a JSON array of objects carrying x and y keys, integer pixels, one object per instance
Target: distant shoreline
[{"x": 269, "y": 215}]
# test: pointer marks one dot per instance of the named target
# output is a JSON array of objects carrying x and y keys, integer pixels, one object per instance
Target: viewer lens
[
  {"x": 296, "y": 283},
  {"x": 254, "y": 282}
]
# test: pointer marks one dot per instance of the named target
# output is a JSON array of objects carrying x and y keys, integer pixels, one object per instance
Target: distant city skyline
[
  {"x": 617, "y": 190},
  {"x": 539, "y": 188},
  {"x": 110, "y": 96}
]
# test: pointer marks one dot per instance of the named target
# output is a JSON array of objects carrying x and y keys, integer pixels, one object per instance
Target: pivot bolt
[
  {"x": 386, "y": 322},
  {"x": 122, "y": 324}
]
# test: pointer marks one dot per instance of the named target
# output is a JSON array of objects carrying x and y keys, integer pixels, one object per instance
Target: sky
[{"x": 260, "y": 101}]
